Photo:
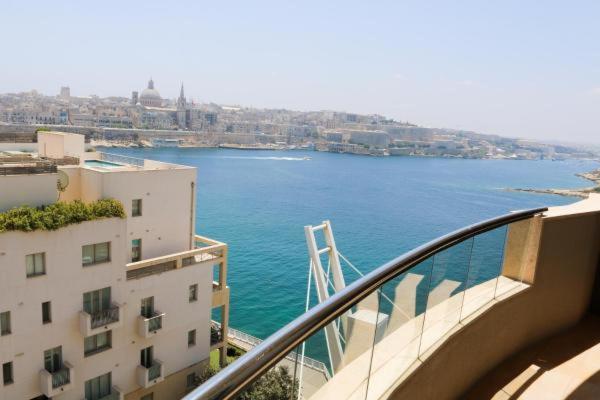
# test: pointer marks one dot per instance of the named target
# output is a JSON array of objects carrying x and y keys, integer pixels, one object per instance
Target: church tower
[{"x": 181, "y": 110}]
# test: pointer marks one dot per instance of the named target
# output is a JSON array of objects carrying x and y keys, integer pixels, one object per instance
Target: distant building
[
  {"x": 336, "y": 137},
  {"x": 65, "y": 93},
  {"x": 378, "y": 139},
  {"x": 134, "y": 98}
]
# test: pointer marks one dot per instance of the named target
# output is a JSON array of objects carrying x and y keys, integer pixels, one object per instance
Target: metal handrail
[
  {"x": 235, "y": 377},
  {"x": 105, "y": 317}
]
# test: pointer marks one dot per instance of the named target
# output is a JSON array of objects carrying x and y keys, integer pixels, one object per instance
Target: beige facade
[{"x": 153, "y": 253}]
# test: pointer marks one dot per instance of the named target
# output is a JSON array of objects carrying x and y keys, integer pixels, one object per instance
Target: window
[
  {"x": 35, "y": 264},
  {"x": 53, "y": 359},
  {"x": 149, "y": 396},
  {"x": 96, "y": 301},
  {"x": 147, "y": 309},
  {"x": 98, "y": 388},
  {"x": 46, "y": 312},
  {"x": 136, "y": 207},
  {"x": 95, "y": 253},
  {"x": 7, "y": 373},
  {"x": 136, "y": 250},
  {"x": 97, "y": 343},
  {"x": 191, "y": 380},
  {"x": 192, "y": 338},
  {"x": 147, "y": 357},
  {"x": 5, "y": 323},
  {"x": 193, "y": 292}
]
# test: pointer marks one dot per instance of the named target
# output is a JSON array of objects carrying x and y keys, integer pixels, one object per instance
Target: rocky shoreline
[{"x": 593, "y": 176}]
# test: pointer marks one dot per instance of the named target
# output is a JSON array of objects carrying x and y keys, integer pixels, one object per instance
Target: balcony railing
[
  {"x": 216, "y": 333},
  {"x": 100, "y": 321},
  {"x": 105, "y": 317},
  {"x": 60, "y": 378},
  {"x": 117, "y": 158},
  {"x": 370, "y": 333},
  {"x": 54, "y": 383},
  {"x": 154, "y": 371},
  {"x": 148, "y": 326},
  {"x": 155, "y": 323},
  {"x": 214, "y": 251},
  {"x": 39, "y": 167},
  {"x": 148, "y": 376}
]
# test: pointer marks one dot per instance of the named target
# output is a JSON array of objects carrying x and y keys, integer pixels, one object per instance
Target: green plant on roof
[{"x": 58, "y": 215}]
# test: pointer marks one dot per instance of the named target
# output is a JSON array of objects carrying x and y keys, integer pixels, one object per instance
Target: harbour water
[{"x": 258, "y": 202}]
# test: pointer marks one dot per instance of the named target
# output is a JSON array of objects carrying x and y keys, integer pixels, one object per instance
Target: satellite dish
[{"x": 62, "y": 182}]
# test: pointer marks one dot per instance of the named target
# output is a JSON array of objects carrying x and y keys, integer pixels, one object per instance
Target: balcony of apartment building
[
  {"x": 151, "y": 370},
  {"x": 505, "y": 308},
  {"x": 55, "y": 381},
  {"x": 206, "y": 252},
  {"x": 217, "y": 337},
  {"x": 150, "y": 375},
  {"x": 150, "y": 320},
  {"x": 92, "y": 323}
]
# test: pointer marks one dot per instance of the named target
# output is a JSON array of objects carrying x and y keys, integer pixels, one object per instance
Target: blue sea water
[{"x": 259, "y": 201}]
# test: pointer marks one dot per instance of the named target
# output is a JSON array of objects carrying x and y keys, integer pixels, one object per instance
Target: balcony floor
[{"x": 565, "y": 366}]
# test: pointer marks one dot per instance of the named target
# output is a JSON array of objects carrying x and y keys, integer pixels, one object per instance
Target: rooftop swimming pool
[{"x": 102, "y": 164}]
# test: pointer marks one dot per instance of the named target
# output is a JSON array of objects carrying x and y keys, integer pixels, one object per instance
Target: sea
[{"x": 259, "y": 201}]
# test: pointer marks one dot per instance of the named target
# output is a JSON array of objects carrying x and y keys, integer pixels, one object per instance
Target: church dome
[{"x": 150, "y": 96}]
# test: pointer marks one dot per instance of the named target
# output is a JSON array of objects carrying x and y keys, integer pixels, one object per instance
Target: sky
[{"x": 515, "y": 68}]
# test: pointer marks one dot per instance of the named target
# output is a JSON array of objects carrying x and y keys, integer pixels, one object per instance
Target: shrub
[
  {"x": 233, "y": 352},
  {"x": 206, "y": 374},
  {"x": 276, "y": 384},
  {"x": 57, "y": 215}
]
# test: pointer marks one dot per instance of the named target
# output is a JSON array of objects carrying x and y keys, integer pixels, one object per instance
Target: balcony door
[
  {"x": 53, "y": 361},
  {"x": 96, "y": 301},
  {"x": 147, "y": 309},
  {"x": 146, "y": 357}
]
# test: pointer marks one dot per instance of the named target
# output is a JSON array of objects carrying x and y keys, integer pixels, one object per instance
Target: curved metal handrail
[{"x": 235, "y": 377}]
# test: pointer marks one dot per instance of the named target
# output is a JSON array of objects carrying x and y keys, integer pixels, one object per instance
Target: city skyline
[{"x": 497, "y": 69}]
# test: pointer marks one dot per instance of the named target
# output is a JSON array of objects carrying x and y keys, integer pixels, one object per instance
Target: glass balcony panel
[
  {"x": 402, "y": 304},
  {"x": 484, "y": 270},
  {"x": 155, "y": 323},
  {"x": 335, "y": 361},
  {"x": 446, "y": 291},
  {"x": 154, "y": 371}
]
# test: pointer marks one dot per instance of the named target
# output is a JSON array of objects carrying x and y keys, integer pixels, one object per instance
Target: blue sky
[{"x": 515, "y": 68}]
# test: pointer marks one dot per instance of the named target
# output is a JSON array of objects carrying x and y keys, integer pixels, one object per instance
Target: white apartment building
[{"x": 113, "y": 308}]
